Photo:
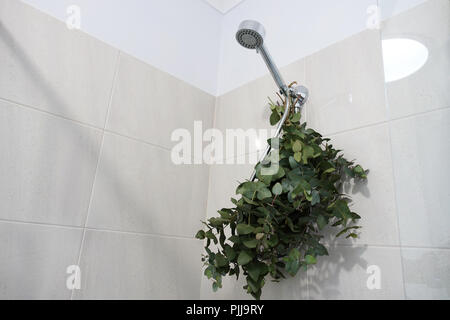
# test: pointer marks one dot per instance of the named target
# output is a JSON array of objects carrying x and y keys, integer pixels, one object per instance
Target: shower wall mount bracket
[{"x": 301, "y": 94}]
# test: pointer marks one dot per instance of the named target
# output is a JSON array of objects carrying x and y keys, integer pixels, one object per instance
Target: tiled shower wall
[
  {"x": 86, "y": 176},
  {"x": 399, "y": 130}
]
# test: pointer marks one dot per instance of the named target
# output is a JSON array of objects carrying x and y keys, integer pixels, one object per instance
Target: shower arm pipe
[
  {"x": 273, "y": 70},
  {"x": 284, "y": 90},
  {"x": 277, "y": 134}
]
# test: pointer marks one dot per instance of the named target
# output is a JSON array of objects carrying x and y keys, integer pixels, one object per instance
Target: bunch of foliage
[{"x": 275, "y": 226}]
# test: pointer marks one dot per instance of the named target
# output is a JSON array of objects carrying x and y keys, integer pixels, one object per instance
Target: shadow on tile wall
[{"x": 57, "y": 147}]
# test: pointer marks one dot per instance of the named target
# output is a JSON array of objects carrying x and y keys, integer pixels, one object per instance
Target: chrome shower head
[{"x": 251, "y": 34}]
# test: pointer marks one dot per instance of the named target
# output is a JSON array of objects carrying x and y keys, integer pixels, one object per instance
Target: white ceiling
[
  {"x": 196, "y": 42},
  {"x": 224, "y": 5}
]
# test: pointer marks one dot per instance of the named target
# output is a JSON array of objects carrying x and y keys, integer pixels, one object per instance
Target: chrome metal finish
[
  {"x": 250, "y": 34},
  {"x": 273, "y": 69},
  {"x": 301, "y": 94}
]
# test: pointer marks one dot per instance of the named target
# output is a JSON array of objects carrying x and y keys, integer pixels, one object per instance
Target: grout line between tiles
[
  {"x": 87, "y": 125},
  {"x": 48, "y": 113},
  {"x": 60, "y": 226},
  {"x": 137, "y": 140},
  {"x": 210, "y": 166},
  {"x": 178, "y": 237},
  {"x": 391, "y": 150},
  {"x": 380, "y": 123},
  {"x": 113, "y": 84},
  {"x": 80, "y": 123},
  {"x": 113, "y": 87},
  {"x": 387, "y": 246},
  {"x": 41, "y": 224},
  {"x": 418, "y": 114},
  {"x": 89, "y": 205},
  {"x": 156, "y": 235},
  {"x": 216, "y": 101}
]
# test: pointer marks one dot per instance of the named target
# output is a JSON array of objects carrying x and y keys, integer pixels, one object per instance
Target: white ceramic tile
[
  {"x": 346, "y": 84},
  {"x": 294, "y": 71},
  {"x": 426, "y": 273},
  {"x": 49, "y": 67},
  {"x": 238, "y": 110},
  {"x": 421, "y": 154},
  {"x": 373, "y": 200},
  {"x": 47, "y": 166},
  {"x": 428, "y": 88},
  {"x": 149, "y": 104},
  {"x": 138, "y": 188},
  {"x": 34, "y": 260},
  {"x": 129, "y": 266},
  {"x": 346, "y": 272}
]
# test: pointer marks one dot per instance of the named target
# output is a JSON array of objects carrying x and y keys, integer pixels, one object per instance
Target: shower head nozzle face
[{"x": 250, "y": 34}]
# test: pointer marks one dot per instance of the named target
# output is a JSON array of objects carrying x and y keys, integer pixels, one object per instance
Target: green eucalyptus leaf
[
  {"x": 244, "y": 229},
  {"x": 352, "y": 235},
  {"x": 200, "y": 235},
  {"x": 296, "y": 117},
  {"x": 235, "y": 239},
  {"x": 221, "y": 260},
  {"x": 307, "y": 153},
  {"x": 310, "y": 259},
  {"x": 264, "y": 194},
  {"x": 315, "y": 197},
  {"x": 277, "y": 189},
  {"x": 230, "y": 253},
  {"x": 208, "y": 272},
  {"x": 345, "y": 230},
  {"x": 341, "y": 210},
  {"x": 273, "y": 240},
  {"x": 251, "y": 243},
  {"x": 302, "y": 186},
  {"x": 256, "y": 269},
  {"x": 294, "y": 162},
  {"x": 297, "y": 146},
  {"x": 321, "y": 222},
  {"x": 210, "y": 235},
  {"x": 244, "y": 258},
  {"x": 274, "y": 118}
]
